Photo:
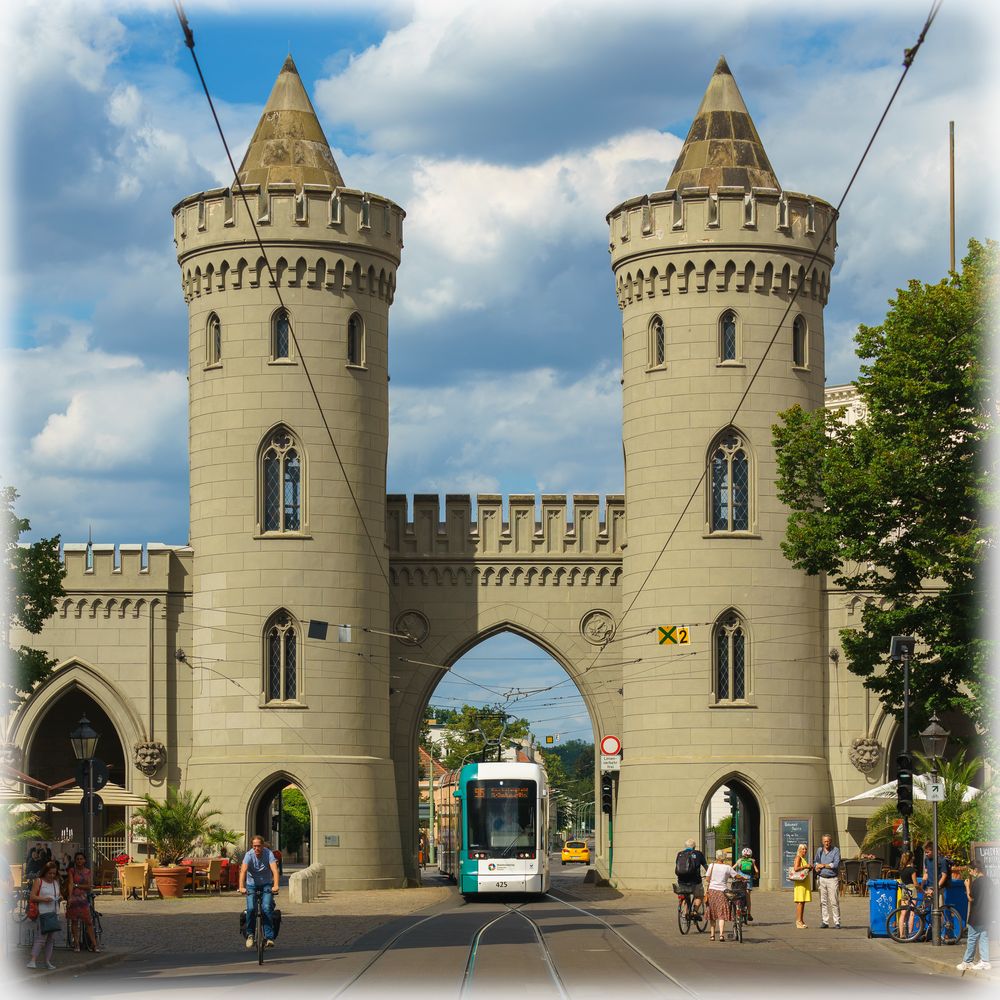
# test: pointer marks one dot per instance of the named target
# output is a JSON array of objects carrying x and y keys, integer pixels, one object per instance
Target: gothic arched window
[
  {"x": 213, "y": 345},
  {"x": 799, "y": 356},
  {"x": 280, "y": 337},
  {"x": 730, "y": 653},
  {"x": 728, "y": 338},
  {"x": 729, "y": 476},
  {"x": 281, "y": 481},
  {"x": 281, "y": 657},
  {"x": 355, "y": 340},
  {"x": 657, "y": 343}
]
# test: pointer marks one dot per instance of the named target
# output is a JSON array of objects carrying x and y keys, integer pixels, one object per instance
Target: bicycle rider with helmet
[
  {"x": 688, "y": 868},
  {"x": 747, "y": 867}
]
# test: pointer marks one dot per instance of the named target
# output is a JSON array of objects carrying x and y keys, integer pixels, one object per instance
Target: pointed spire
[
  {"x": 289, "y": 144},
  {"x": 722, "y": 146}
]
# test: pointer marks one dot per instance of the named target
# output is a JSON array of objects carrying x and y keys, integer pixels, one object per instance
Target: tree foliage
[
  {"x": 33, "y": 577},
  {"x": 898, "y": 505},
  {"x": 175, "y": 826},
  {"x": 475, "y": 733},
  {"x": 295, "y": 819}
]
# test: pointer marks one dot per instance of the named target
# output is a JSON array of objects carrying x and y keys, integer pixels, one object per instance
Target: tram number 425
[{"x": 500, "y": 885}]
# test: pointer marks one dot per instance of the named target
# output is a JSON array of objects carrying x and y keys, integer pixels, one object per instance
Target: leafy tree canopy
[
  {"x": 898, "y": 505},
  {"x": 32, "y": 583},
  {"x": 475, "y": 733}
]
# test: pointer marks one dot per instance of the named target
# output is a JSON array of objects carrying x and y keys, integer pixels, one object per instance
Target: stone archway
[
  {"x": 283, "y": 820},
  {"x": 746, "y": 816}
]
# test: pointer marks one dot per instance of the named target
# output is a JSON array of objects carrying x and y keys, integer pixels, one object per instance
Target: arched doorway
[
  {"x": 50, "y": 759},
  {"x": 280, "y": 813},
  {"x": 732, "y": 820}
]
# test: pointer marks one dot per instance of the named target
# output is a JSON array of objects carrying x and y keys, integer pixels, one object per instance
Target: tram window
[{"x": 501, "y": 815}]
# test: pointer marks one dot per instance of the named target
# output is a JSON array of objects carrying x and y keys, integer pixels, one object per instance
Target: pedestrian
[
  {"x": 747, "y": 867},
  {"x": 907, "y": 877},
  {"x": 688, "y": 868},
  {"x": 33, "y": 864},
  {"x": 943, "y": 874},
  {"x": 259, "y": 873},
  {"x": 46, "y": 896},
  {"x": 719, "y": 875},
  {"x": 981, "y": 893},
  {"x": 826, "y": 864},
  {"x": 799, "y": 875},
  {"x": 80, "y": 882}
]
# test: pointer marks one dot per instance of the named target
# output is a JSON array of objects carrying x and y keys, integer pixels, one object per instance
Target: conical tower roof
[
  {"x": 722, "y": 146},
  {"x": 289, "y": 144}
]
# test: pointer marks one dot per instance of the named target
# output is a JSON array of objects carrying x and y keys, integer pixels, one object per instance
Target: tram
[{"x": 494, "y": 831}]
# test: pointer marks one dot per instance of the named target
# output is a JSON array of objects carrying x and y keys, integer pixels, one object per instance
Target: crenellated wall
[{"x": 122, "y": 569}]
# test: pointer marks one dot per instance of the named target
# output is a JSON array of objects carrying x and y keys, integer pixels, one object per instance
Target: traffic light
[
  {"x": 904, "y": 784},
  {"x": 607, "y": 793},
  {"x": 732, "y": 800}
]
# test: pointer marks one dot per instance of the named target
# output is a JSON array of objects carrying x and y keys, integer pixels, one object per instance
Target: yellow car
[{"x": 576, "y": 850}]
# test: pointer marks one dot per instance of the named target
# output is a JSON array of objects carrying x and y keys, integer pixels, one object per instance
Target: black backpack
[{"x": 688, "y": 866}]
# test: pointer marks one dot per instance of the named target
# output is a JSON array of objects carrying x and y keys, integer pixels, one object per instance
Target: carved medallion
[
  {"x": 597, "y": 627},
  {"x": 864, "y": 753},
  {"x": 412, "y": 624},
  {"x": 149, "y": 756}
]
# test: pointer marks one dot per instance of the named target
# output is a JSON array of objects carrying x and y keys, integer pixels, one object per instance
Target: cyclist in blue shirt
[{"x": 259, "y": 871}]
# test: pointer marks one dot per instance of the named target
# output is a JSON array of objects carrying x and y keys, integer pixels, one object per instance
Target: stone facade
[{"x": 200, "y": 655}]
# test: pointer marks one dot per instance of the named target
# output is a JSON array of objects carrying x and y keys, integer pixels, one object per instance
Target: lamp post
[
  {"x": 84, "y": 742},
  {"x": 935, "y": 739}
]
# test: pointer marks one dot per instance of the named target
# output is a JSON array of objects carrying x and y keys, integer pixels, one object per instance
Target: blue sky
[{"x": 507, "y": 132}]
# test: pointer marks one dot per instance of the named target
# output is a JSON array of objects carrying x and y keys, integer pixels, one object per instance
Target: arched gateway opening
[
  {"x": 280, "y": 813},
  {"x": 731, "y": 820}
]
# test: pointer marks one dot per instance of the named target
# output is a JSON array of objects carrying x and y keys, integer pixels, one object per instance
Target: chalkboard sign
[
  {"x": 987, "y": 857},
  {"x": 794, "y": 830}
]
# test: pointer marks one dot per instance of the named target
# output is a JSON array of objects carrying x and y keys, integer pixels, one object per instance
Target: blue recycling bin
[
  {"x": 954, "y": 895},
  {"x": 882, "y": 894}
]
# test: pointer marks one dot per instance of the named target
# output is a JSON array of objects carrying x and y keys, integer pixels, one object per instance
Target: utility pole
[
  {"x": 951, "y": 190},
  {"x": 431, "y": 848},
  {"x": 901, "y": 649}
]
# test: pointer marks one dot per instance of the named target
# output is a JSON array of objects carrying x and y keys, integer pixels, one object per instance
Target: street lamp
[
  {"x": 84, "y": 742},
  {"x": 935, "y": 739},
  {"x": 901, "y": 649}
]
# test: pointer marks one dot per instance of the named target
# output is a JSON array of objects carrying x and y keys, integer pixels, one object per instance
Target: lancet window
[
  {"x": 730, "y": 649},
  {"x": 728, "y": 337},
  {"x": 657, "y": 343},
  {"x": 280, "y": 337},
  {"x": 213, "y": 353},
  {"x": 799, "y": 357},
  {"x": 355, "y": 340},
  {"x": 281, "y": 657},
  {"x": 729, "y": 476},
  {"x": 281, "y": 482}
]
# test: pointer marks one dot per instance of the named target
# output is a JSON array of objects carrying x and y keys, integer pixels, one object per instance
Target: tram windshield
[{"x": 501, "y": 815}]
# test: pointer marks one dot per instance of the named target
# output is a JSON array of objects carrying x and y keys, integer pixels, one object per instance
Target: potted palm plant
[{"x": 172, "y": 828}]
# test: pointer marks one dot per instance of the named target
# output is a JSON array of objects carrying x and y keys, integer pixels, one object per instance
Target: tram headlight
[{"x": 522, "y": 855}]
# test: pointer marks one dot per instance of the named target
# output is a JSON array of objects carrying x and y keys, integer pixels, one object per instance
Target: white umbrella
[
  {"x": 886, "y": 792},
  {"x": 111, "y": 795},
  {"x": 10, "y": 795},
  {"x": 33, "y": 807}
]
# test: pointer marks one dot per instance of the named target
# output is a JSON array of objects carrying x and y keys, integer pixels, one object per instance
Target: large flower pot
[{"x": 170, "y": 881}]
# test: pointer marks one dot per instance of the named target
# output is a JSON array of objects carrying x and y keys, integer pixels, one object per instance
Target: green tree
[
  {"x": 175, "y": 826},
  {"x": 476, "y": 733},
  {"x": 898, "y": 505},
  {"x": 295, "y": 819},
  {"x": 33, "y": 577}
]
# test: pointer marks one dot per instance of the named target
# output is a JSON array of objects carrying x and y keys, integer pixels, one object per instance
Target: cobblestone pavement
[{"x": 773, "y": 948}]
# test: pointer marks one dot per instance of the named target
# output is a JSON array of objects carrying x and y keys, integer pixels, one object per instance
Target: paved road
[{"x": 419, "y": 943}]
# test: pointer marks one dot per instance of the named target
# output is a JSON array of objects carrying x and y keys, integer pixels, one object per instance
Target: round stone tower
[
  {"x": 704, "y": 272},
  {"x": 284, "y": 532}
]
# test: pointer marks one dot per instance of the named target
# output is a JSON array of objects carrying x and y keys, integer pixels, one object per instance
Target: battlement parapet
[
  {"x": 127, "y": 568},
  {"x": 361, "y": 224},
  {"x": 700, "y": 239},
  {"x": 531, "y": 530}
]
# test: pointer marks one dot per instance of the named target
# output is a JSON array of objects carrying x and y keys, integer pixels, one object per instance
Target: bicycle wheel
[
  {"x": 904, "y": 924},
  {"x": 951, "y": 925},
  {"x": 700, "y": 919},
  {"x": 738, "y": 927},
  {"x": 98, "y": 929},
  {"x": 258, "y": 932},
  {"x": 684, "y": 916},
  {"x": 20, "y": 910}
]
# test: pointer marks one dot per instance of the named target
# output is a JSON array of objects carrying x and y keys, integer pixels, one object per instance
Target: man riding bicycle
[
  {"x": 688, "y": 868},
  {"x": 259, "y": 872}
]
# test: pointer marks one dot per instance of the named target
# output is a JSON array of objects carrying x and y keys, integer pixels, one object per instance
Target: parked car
[{"x": 575, "y": 851}]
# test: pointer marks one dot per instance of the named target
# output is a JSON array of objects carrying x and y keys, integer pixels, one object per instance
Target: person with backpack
[
  {"x": 688, "y": 868},
  {"x": 747, "y": 867}
]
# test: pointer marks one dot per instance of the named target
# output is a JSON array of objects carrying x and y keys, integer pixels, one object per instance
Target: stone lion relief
[
  {"x": 597, "y": 627},
  {"x": 864, "y": 753},
  {"x": 149, "y": 756},
  {"x": 413, "y": 624}
]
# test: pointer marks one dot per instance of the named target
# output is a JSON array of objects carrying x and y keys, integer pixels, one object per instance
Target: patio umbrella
[
  {"x": 10, "y": 795},
  {"x": 886, "y": 792},
  {"x": 32, "y": 807},
  {"x": 111, "y": 795}
]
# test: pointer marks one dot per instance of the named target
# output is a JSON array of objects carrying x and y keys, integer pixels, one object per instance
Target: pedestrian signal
[
  {"x": 607, "y": 793},
  {"x": 904, "y": 784}
]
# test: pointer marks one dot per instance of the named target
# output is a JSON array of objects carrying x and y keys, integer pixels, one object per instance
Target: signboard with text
[{"x": 792, "y": 831}]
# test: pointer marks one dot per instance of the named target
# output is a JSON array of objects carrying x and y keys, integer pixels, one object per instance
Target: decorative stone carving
[
  {"x": 864, "y": 753},
  {"x": 10, "y": 754},
  {"x": 149, "y": 756},
  {"x": 414, "y": 624},
  {"x": 597, "y": 627}
]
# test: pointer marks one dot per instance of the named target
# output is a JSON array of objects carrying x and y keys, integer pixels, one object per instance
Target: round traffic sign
[{"x": 611, "y": 745}]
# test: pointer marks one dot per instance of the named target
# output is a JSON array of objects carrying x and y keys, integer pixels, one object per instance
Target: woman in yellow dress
[{"x": 803, "y": 891}]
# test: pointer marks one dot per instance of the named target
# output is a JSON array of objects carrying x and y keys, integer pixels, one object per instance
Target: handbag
[
  {"x": 798, "y": 876},
  {"x": 48, "y": 923},
  {"x": 32, "y": 911}
]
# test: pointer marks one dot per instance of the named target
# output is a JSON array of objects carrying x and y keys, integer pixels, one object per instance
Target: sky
[{"x": 507, "y": 132}]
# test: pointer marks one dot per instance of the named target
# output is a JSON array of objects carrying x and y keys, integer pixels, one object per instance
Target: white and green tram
[{"x": 494, "y": 831}]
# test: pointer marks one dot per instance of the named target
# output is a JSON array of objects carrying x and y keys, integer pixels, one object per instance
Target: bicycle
[
  {"x": 258, "y": 922},
  {"x": 19, "y": 907},
  {"x": 687, "y": 914},
  {"x": 911, "y": 921},
  {"x": 737, "y": 896},
  {"x": 82, "y": 936}
]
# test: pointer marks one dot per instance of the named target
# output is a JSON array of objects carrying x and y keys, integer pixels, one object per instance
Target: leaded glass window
[
  {"x": 730, "y": 489},
  {"x": 214, "y": 352},
  {"x": 730, "y": 659},
  {"x": 281, "y": 483},
  {"x": 280, "y": 658},
  {"x": 657, "y": 343},
  {"x": 799, "y": 342},
  {"x": 355, "y": 341},
  {"x": 727, "y": 337},
  {"x": 280, "y": 335}
]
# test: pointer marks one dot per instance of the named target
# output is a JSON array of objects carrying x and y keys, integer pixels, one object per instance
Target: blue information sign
[{"x": 794, "y": 830}]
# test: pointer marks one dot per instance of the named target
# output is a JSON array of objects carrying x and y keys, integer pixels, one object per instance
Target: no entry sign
[{"x": 611, "y": 745}]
